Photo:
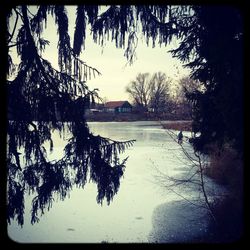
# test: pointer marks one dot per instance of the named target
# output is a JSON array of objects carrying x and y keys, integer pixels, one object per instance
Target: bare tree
[
  {"x": 186, "y": 86},
  {"x": 181, "y": 105},
  {"x": 149, "y": 92},
  {"x": 139, "y": 90},
  {"x": 104, "y": 99},
  {"x": 159, "y": 92}
]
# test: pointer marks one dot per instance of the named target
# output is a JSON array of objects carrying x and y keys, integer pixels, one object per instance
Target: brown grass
[
  {"x": 179, "y": 125},
  {"x": 227, "y": 169}
]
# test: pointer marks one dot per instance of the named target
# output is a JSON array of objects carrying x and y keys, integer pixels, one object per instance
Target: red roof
[{"x": 114, "y": 104}]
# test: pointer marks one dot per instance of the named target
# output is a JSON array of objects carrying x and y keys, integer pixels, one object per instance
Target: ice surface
[{"x": 134, "y": 214}]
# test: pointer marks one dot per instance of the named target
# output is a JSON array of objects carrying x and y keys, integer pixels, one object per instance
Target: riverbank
[
  {"x": 173, "y": 122},
  {"x": 132, "y": 117},
  {"x": 178, "y": 125}
]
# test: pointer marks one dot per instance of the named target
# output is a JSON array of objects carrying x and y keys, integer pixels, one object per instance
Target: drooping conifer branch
[{"x": 42, "y": 99}]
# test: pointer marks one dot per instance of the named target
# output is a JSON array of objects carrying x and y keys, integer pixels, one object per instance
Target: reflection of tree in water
[{"x": 42, "y": 100}]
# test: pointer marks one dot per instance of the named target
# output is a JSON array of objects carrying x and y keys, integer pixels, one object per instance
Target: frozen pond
[{"x": 142, "y": 211}]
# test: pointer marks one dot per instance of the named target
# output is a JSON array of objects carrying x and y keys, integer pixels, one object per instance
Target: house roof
[{"x": 114, "y": 104}]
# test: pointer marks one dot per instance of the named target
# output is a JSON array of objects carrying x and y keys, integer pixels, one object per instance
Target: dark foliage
[
  {"x": 218, "y": 64},
  {"x": 211, "y": 40},
  {"x": 211, "y": 44},
  {"x": 42, "y": 100}
]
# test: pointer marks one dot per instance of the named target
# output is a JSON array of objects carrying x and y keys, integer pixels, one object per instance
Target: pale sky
[{"x": 111, "y": 61}]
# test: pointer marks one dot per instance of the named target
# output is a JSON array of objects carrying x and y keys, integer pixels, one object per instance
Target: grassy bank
[
  {"x": 179, "y": 125},
  {"x": 226, "y": 168},
  {"x": 130, "y": 117}
]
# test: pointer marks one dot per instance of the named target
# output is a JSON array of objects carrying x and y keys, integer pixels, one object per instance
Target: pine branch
[{"x": 14, "y": 28}]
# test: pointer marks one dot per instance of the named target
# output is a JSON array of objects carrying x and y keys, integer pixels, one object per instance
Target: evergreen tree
[
  {"x": 210, "y": 44},
  {"x": 214, "y": 48},
  {"x": 42, "y": 100}
]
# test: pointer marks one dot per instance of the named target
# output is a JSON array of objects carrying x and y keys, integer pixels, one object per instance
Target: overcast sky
[
  {"x": 112, "y": 64},
  {"x": 116, "y": 74}
]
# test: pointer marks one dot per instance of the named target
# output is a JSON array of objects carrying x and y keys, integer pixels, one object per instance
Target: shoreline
[
  {"x": 184, "y": 125},
  {"x": 179, "y": 125}
]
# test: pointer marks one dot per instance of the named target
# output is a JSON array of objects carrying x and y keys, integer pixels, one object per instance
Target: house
[{"x": 118, "y": 107}]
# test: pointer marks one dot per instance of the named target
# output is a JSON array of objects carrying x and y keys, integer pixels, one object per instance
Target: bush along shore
[{"x": 226, "y": 169}]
